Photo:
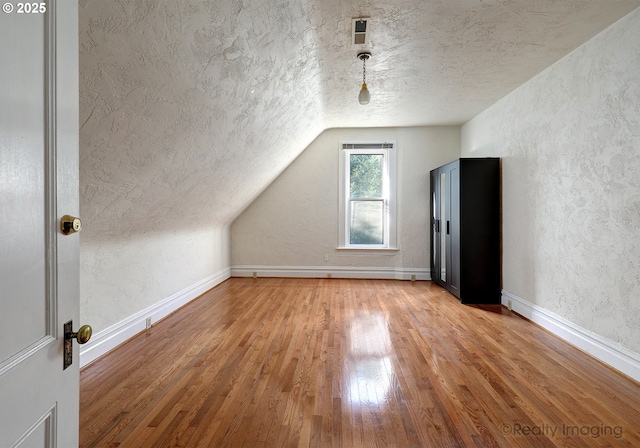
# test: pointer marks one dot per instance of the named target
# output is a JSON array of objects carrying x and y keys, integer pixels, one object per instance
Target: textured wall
[
  {"x": 120, "y": 277},
  {"x": 570, "y": 139},
  {"x": 295, "y": 221},
  {"x": 182, "y": 105}
]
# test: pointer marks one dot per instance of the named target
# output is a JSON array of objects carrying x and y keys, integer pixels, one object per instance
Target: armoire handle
[{"x": 447, "y": 227}]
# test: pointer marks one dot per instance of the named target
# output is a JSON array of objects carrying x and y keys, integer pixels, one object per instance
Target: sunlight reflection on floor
[{"x": 371, "y": 372}]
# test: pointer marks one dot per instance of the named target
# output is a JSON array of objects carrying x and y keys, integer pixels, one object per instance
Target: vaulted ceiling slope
[{"x": 190, "y": 108}]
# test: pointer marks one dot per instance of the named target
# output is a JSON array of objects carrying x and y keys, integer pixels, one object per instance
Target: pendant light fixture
[{"x": 364, "y": 97}]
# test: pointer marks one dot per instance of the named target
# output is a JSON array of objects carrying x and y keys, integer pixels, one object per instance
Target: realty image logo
[{"x": 564, "y": 430}]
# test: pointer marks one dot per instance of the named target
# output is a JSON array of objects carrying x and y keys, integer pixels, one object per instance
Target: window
[{"x": 367, "y": 196}]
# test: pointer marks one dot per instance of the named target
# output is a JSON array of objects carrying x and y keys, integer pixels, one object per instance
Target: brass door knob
[
  {"x": 70, "y": 224},
  {"x": 82, "y": 335}
]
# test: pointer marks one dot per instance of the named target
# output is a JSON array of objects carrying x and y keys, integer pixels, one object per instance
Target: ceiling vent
[{"x": 360, "y": 31}]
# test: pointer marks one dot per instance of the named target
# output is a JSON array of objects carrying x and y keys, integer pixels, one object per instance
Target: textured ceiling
[
  {"x": 445, "y": 61},
  {"x": 189, "y": 109}
]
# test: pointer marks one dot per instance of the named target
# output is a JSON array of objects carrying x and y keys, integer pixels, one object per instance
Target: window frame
[{"x": 388, "y": 151}]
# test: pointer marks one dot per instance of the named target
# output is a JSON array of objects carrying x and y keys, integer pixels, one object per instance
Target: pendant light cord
[{"x": 364, "y": 70}]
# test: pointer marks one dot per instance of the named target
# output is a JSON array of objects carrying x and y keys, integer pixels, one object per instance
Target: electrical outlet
[
  {"x": 326, "y": 257},
  {"x": 509, "y": 305},
  {"x": 148, "y": 323}
]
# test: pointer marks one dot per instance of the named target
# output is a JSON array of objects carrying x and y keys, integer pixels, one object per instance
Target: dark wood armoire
[{"x": 465, "y": 229}]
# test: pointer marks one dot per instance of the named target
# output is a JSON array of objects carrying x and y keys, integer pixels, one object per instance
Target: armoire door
[
  {"x": 453, "y": 227},
  {"x": 434, "y": 207},
  {"x": 445, "y": 238},
  {"x": 445, "y": 219}
]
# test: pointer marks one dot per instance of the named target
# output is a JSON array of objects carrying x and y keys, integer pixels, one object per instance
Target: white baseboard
[
  {"x": 109, "y": 338},
  {"x": 391, "y": 273},
  {"x": 606, "y": 350}
]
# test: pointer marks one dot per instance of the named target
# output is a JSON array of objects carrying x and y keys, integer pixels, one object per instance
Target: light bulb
[{"x": 364, "y": 96}]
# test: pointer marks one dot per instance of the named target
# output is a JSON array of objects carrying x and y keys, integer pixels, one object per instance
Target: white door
[{"x": 38, "y": 184}]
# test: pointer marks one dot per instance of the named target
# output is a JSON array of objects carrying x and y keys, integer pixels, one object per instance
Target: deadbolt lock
[{"x": 70, "y": 224}]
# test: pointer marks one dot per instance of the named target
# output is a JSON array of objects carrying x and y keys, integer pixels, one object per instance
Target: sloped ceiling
[{"x": 190, "y": 108}]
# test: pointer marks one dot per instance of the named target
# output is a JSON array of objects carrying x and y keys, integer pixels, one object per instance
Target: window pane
[
  {"x": 365, "y": 175},
  {"x": 366, "y": 222}
]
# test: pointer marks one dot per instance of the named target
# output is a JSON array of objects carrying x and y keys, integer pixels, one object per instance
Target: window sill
[{"x": 368, "y": 250}]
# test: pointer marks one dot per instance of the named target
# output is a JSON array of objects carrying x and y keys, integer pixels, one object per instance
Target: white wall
[
  {"x": 290, "y": 227},
  {"x": 120, "y": 277},
  {"x": 570, "y": 143}
]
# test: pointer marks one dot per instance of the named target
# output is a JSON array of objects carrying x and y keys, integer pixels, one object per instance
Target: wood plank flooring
[{"x": 351, "y": 363}]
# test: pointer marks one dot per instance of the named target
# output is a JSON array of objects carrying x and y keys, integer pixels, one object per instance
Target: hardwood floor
[{"x": 350, "y": 363}]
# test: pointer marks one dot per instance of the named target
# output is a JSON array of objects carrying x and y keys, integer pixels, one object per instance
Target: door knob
[
  {"x": 82, "y": 336},
  {"x": 70, "y": 224}
]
